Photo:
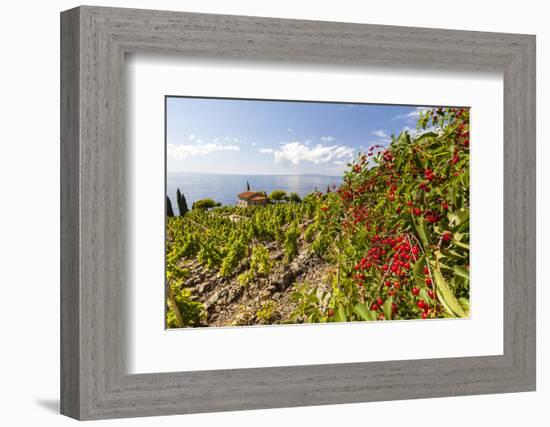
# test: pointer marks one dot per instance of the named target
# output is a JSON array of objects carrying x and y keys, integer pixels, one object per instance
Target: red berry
[
  {"x": 391, "y": 292},
  {"x": 330, "y": 312},
  {"x": 415, "y": 291},
  {"x": 417, "y": 211},
  {"x": 388, "y": 283},
  {"x": 421, "y": 304},
  {"x": 424, "y": 315},
  {"x": 431, "y": 294},
  {"x": 455, "y": 159},
  {"x": 380, "y": 301},
  {"x": 426, "y": 271},
  {"x": 428, "y": 281},
  {"x": 447, "y": 236},
  {"x": 374, "y": 306}
]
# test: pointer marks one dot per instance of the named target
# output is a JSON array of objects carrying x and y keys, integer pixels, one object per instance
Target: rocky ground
[{"x": 267, "y": 300}]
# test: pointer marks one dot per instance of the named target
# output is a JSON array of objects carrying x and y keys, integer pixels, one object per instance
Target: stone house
[{"x": 252, "y": 198}]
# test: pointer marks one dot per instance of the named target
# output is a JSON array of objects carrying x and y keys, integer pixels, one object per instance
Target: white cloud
[
  {"x": 230, "y": 139},
  {"x": 295, "y": 152},
  {"x": 192, "y": 136},
  {"x": 178, "y": 152},
  {"x": 381, "y": 134},
  {"x": 290, "y": 130},
  {"x": 416, "y": 132},
  {"x": 339, "y": 162},
  {"x": 412, "y": 115},
  {"x": 328, "y": 138},
  {"x": 253, "y": 144}
]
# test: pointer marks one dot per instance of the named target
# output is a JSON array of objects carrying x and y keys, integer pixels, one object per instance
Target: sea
[{"x": 225, "y": 188}]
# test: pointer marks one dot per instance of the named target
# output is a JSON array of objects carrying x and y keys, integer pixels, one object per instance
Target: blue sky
[{"x": 206, "y": 135}]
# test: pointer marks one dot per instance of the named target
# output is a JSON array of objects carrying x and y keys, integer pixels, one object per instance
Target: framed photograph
[
  {"x": 346, "y": 214},
  {"x": 261, "y": 213}
]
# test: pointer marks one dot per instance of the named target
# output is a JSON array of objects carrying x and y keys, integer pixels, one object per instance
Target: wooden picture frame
[{"x": 94, "y": 382}]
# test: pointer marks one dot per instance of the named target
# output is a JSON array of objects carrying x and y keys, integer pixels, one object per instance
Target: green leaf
[
  {"x": 445, "y": 267},
  {"x": 340, "y": 315},
  {"x": 363, "y": 312},
  {"x": 427, "y": 135},
  {"x": 418, "y": 270},
  {"x": 461, "y": 271},
  {"x": 462, "y": 245},
  {"x": 463, "y": 215},
  {"x": 445, "y": 295},
  {"x": 465, "y": 303},
  {"x": 453, "y": 254},
  {"x": 387, "y": 308},
  {"x": 424, "y": 295},
  {"x": 422, "y": 230},
  {"x": 453, "y": 218}
]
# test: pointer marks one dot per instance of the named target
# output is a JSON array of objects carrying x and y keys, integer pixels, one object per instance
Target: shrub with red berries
[{"x": 399, "y": 226}]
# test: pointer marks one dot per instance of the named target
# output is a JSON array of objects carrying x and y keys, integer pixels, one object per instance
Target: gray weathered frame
[{"x": 94, "y": 41}]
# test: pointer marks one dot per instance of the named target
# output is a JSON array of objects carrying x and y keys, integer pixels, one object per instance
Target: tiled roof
[
  {"x": 248, "y": 195},
  {"x": 258, "y": 198}
]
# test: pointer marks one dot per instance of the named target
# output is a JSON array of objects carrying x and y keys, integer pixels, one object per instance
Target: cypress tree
[
  {"x": 169, "y": 210},
  {"x": 247, "y": 186},
  {"x": 184, "y": 208},
  {"x": 182, "y": 203}
]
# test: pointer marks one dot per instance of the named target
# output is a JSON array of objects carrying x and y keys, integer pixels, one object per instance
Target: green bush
[
  {"x": 295, "y": 198},
  {"x": 192, "y": 312},
  {"x": 266, "y": 313},
  {"x": 291, "y": 242},
  {"x": 277, "y": 195},
  {"x": 205, "y": 204}
]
